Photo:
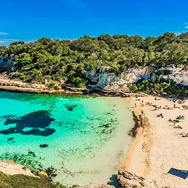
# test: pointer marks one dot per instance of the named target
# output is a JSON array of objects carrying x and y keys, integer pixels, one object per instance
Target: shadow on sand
[
  {"x": 35, "y": 123},
  {"x": 179, "y": 173},
  {"x": 113, "y": 180}
]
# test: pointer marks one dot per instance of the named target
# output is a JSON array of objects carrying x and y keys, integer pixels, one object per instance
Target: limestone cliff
[{"x": 106, "y": 80}]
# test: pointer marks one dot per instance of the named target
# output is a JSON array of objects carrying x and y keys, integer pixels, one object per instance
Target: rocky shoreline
[{"x": 18, "y": 86}]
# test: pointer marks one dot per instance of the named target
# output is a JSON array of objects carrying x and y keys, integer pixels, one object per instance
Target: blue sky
[{"x": 29, "y": 20}]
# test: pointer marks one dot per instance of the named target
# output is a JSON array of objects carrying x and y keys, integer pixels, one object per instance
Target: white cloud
[
  {"x": 178, "y": 33},
  {"x": 186, "y": 27},
  {"x": 5, "y": 41},
  {"x": 3, "y": 33}
]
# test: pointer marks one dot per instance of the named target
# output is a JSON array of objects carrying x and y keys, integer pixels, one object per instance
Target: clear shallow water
[{"x": 86, "y": 137}]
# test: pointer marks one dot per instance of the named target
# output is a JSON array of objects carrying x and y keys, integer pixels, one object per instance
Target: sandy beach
[
  {"x": 10, "y": 168},
  {"x": 159, "y": 151}
]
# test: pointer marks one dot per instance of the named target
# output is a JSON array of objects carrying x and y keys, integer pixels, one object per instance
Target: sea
[{"x": 84, "y": 138}]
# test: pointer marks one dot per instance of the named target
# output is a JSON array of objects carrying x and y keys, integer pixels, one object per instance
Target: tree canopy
[{"x": 68, "y": 61}]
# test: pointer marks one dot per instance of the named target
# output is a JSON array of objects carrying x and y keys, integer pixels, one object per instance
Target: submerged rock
[
  {"x": 9, "y": 139},
  {"x": 70, "y": 107},
  {"x": 43, "y": 145},
  {"x": 130, "y": 180}
]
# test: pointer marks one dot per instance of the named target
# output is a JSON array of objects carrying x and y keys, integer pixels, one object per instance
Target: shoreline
[
  {"x": 22, "y": 87},
  {"x": 11, "y": 168},
  {"x": 69, "y": 92},
  {"x": 141, "y": 135},
  {"x": 104, "y": 160},
  {"x": 158, "y": 146},
  {"x": 159, "y": 152}
]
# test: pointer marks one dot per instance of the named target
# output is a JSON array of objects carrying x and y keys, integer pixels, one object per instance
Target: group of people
[{"x": 175, "y": 121}]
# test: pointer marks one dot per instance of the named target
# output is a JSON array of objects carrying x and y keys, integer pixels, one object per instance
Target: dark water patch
[
  {"x": 77, "y": 152},
  {"x": 32, "y": 153},
  {"x": 31, "y": 161},
  {"x": 110, "y": 113},
  {"x": 105, "y": 125},
  {"x": 9, "y": 117},
  {"x": 94, "y": 118},
  {"x": 43, "y": 145},
  {"x": 37, "y": 132},
  {"x": 70, "y": 107},
  {"x": 59, "y": 124},
  {"x": 9, "y": 139},
  {"x": 34, "y": 121},
  {"x": 104, "y": 131}
]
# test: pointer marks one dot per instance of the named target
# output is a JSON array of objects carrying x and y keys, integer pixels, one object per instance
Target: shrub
[{"x": 21, "y": 181}]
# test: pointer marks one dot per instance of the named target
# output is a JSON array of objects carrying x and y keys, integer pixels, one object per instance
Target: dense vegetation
[
  {"x": 21, "y": 181},
  {"x": 67, "y": 61},
  {"x": 159, "y": 86}
]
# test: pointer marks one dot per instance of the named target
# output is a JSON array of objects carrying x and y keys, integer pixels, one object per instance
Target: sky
[{"x": 29, "y": 20}]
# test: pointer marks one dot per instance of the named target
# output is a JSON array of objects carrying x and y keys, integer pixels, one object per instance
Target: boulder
[
  {"x": 43, "y": 175},
  {"x": 94, "y": 186},
  {"x": 43, "y": 145},
  {"x": 130, "y": 180}
]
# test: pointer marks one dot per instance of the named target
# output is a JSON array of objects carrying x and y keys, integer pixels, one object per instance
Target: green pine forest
[{"x": 67, "y": 61}]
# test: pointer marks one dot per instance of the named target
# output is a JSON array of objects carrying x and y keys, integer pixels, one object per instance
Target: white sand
[
  {"x": 162, "y": 147},
  {"x": 10, "y": 168}
]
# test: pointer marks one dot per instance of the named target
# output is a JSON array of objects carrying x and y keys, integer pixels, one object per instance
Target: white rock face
[
  {"x": 133, "y": 75},
  {"x": 109, "y": 81},
  {"x": 178, "y": 74}
]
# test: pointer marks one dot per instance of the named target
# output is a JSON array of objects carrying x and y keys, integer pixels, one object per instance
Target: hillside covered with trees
[{"x": 65, "y": 61}]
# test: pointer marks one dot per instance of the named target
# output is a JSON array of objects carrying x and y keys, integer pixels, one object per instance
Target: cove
[{"x": 84, "y": 138}]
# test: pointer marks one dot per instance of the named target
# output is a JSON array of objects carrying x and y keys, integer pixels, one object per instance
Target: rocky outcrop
[
  {"x": 130, "y": 180},
  {"x": 43, "y": 175},
  {"x": 102, "y": 81},
  {"x": 125, "y": 179},
  {"x": 11, "y": 85},
  {"x": 178, "y": 74},
  {"x": 108, "y": 81},
  {"x": 105, "y": 80},
  {"x": 94, "y": 186}
]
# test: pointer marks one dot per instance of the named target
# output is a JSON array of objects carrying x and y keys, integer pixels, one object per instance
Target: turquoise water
[{"x": 86, "y": 138}]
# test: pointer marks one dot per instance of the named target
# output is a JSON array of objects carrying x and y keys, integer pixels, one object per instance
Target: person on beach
[
  {"x": 160, "y": 115},
  {"x": 142, "y": 112}
]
